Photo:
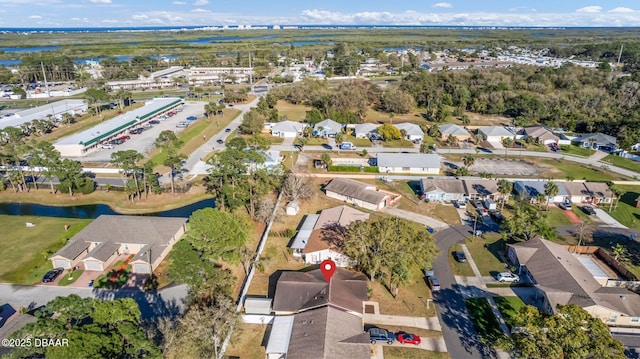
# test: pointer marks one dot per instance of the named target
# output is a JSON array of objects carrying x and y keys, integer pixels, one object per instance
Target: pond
[{"x": 92, "y": 211}]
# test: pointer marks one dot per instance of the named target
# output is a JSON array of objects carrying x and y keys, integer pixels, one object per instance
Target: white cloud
[
  {"x": 443, "y": 5},
  {"x": 35, "y": 17},
  {"x": 201, "y": 2},
  {"x": 590, "y": 9},
  {"x": 101, "y": 1},
  {"x": 179, "y": 3},
  {"x": 622, "y": 10},
  {"x": 200, "y": 10},
  {"x": 80, "y": 19},
  {"x": 140, "y": 17},
  {"x": 110, "y": 21}
]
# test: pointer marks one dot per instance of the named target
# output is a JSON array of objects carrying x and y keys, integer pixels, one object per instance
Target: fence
[{"x": 608, "y": 259}]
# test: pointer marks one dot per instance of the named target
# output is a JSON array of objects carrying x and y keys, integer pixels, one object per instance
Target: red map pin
[{"x": 327, "y": 267}]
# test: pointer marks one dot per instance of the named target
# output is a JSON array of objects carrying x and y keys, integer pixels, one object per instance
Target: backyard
[{"x": 34, "y": 245}]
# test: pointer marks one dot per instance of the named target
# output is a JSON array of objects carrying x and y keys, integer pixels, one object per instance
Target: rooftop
[
  {"x": 355, "y": 189},
  {"x": 453, "y": 129},
  {"x": 42, "y": 112},
  {"x": 415, "y": 160}
]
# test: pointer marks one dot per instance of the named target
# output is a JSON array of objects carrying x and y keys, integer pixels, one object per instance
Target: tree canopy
[
  {"x": 217, "y": 233},
  {"x": 528, "y": 222}
]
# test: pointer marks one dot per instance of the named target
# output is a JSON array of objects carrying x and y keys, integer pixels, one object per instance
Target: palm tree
[
  {"x": 551, "y": 189},
  {"x": 539, "y": 198},
  {"x": 504, "y": 187},
  {"x": 619, "y": 251},
  {"x": 468, "y": 160}
]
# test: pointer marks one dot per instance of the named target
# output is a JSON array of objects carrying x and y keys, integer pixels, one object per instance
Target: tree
[
  {"x": 217, "y": 233},
  {"x": 527, "y": 223},
  {"x": 252, "y": 122},
  {"x": 298, "y": 187},
  {"x": 468, "y": 160},
  {"x": 507, "y": 142},
  {"x": 504, "y": 187},
  {"x": 572, "y": 332},
  {"x": 326, "y": 159},
  {"x": 192, "y": 267},
  {"x": 381, "y": 245},
  {"x": 72, "y": 178},
  {"x": 44, "y": 155},
  {"x": 396, "y": 101},
  {"x": 95, "y": 97},
  {"x": 583, "y": 233},
  {"x": 462, "y": 172},
  {"x": 92, "y": 328},
  {"x": 619, "y": 251},
  {"x": 389, "y": 132},
  {"x": 174, "y": 161},
  {"x": 551, "y": 189},
  {"x": 127, "y": 161}
]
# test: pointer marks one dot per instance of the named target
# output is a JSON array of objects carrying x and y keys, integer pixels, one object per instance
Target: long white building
[{"x": 55, "y": 110}]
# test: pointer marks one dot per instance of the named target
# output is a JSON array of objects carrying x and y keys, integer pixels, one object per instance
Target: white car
[
  {"x": 507, "y": 277},
  {"x": 107, "y": 146}
]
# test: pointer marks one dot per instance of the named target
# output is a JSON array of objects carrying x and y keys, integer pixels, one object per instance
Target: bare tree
[
  {"x": 264, "y": 209},
  {"x": 297, "y": 187}
]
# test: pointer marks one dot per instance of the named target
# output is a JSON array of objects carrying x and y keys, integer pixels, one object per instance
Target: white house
[
  {"x": 414, "y": 132},
  {"x": 327, "y": 128},
  {"x": 287, "y": 129},
  {"x": 360, "y": 194},
  {"x": 530, "y": 189},
  {"x": 409, "y": 163},
  {"x": 364, "y": 130},
  {"x": 495, "y": 133}
]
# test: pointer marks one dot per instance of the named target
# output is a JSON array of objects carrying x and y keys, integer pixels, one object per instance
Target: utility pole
[
  {"x": 250, "y": 70},
  {"x": 620, "y": 54},
  {"x": 44, "y": 74}
]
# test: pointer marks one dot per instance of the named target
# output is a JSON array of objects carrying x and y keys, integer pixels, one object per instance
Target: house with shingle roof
[
  {"x": 365, "y": 130},
  {"x": 442, "y": 189},
  {"x": 495, "y": 133},
  {"x": 421, "y": 163},
  {"x": 454, "y": 130},
  {"x": 540, "y": 134},
  {"x": 287, "y": 129},
  {"x": 360, "y": 194},
  {"x": 597, "y": 141},
  {"x": 560, "y": 278},
  {"x": 327, "y": 128},
  {"x": 413, "y": 131},
  {"x": 98, "y": 245}
]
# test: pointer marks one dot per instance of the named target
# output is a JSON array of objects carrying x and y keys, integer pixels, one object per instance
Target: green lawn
[
  {"x": 273, "y": 139},
  {"x": 509, "y": 306},
  {"x": 317, "y": 141},
  {"x": 565, "y": 169},
  {"x": 411, "y": 353},
  {"x": 463, "y": 269},
  {"x": 557, "y": 217},
  {"x": 484, "y": 320},
  {"x": 626, "y": 211},
  {"x": 576, "y": 150},
  {"x": 485, "y": 252},
  {"x": 622, "y": 162},
  {"x": 358, "y": 142},
  {"x": 397, "y": 144},
  {"x": 68, "y": 279},
  {"x": 292, "y": 112},
  {"x": 23, "y": 259}
]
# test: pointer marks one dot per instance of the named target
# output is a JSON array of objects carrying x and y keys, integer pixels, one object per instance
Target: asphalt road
[{"x": 457, "y": 329}]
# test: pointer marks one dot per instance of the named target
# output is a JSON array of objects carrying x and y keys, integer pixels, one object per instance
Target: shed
[
  {"x": 293, "y": 208},
  {"x": 302, "y": 238},
  {"x": 257, "y": 306},
  {"x": 279, "y": 337}
]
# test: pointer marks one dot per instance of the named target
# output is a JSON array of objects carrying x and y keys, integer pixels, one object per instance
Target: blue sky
[{"x": 124, "y": 13}]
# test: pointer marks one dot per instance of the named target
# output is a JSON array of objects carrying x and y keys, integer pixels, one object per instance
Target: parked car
[
  {"x": 507, "y": 277},
  {"x": 124, "y": 138},
  {"x": 117, "y": 141},
  {"x": 566, "y": 205},
  {"x": 477, "y": 203},
  {"x": 459, "y": 256},
  {"x": 497, "y": 216},
  {"x": 136, "y": 131},
  {"x": 347, "y": 146},
  {"x": 588, "y": 210},
  {"x": 182, "y": 124},
  {"x": 406, "y": 338},
  {"x": 107, "y": 146},
  {"x": 51, "y": 275},
  {"x": 154, "y": 122},
  {"x": 192, "y": 118},
  {"x": 434, "y": 283},
  {"x": 379, "y": 334}
]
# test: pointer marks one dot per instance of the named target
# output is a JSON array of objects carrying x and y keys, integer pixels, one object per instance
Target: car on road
[
  {"x": 406, "y": 338},
  {"x": 588, "y": 210},
  {"x": 227, "y": 130},
  {"x": 347, "y": 146},
  {"x": 220, "y": 141},
  {"x": 107, "y": 146},
  {"x": 507, "y": 277},
  {"x": 379, "y": 334},
  {"x": 566, "y": 205},
  {"x": 433, "y": 282},
  {"x": 459, "y": 256},
  {"x": 51, "y": 275}
]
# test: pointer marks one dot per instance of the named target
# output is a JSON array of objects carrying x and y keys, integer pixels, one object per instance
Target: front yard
[
  {"x": 626, "y": 211},
  {"x": 24, "y": 258},
  {"x": 486, "y": 252},
  {"x": 462, "y": 269},
  {"x": 622, "y": 162}
]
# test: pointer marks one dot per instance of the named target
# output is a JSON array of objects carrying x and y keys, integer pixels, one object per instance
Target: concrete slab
[{"x": 610, "y": 221}]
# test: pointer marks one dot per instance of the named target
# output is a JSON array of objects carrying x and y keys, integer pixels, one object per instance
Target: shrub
[
  {"x": 344, "y": 168},
  {"x": 373, "y": 169}
]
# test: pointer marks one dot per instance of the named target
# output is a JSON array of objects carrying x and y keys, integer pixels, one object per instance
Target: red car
[
  {"x": 406, "y": 338},
  {"x": 124, "y": 138}
]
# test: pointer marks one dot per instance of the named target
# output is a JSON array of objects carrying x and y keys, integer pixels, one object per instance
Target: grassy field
[
  {"x": 292, "y": 112},
  {"x": 576, "y": 150},
  {"x": 24, "y": 258},
  {"x": 622, "y": 162},
  {"x": 463, "y": 269},
  {"x": 358, "y": 142},
  {"x": 557, "y": 217},
  {"x": 483, "y": 320},
  {"x": 397, "y": 144},
  {"x": 626, "y": 212},
  {"x": 509, "y": 306},
  {"x": 565, "y": 169},
  {"x": 412, "y": 353},
  {"x": 486, "y": 251}
]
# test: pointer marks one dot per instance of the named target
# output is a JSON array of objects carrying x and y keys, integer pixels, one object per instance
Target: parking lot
[
  {"x": 144, "y": 142},
  {"x": 504, "y": 167}
]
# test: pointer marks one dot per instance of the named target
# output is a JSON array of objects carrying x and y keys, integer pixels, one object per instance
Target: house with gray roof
[
  {"x": 365, "y": 130},
  {"x": 451, "y": 129},
  {"x": 413, "y": 131},
  {"x": 327, "y": 128},
  {"x": 287, "y": 129},
  {"x": 419, "y": 163},
  {"x": 530, "y": 189},
  {"x": 597, "y": 141},
  {"x": 360, "y": 194},
  {"x": 482, "y": 189},
  {"x": 495, "y": 133},
  {"x": 442, "y": 189},
  {"x": 540, "y": 134},
  {"x": 147, "y": 239},
  {"x": 560, "y": 278}
]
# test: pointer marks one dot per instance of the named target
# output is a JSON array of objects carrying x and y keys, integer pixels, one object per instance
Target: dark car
[
  {"x": 496, "y": 215},
  {"x": 154, "y": 122},
  {"x": 460, "y": 257},
  {"x": 227, "y": 130},
  {"x": 588, "y": 210},
  {"x": 136, "y": 131},
  {"x": 220, "y": 141},
  {"x": 117, "y": 141},
  {"x": 379, "y": 334},
  {"x": 51, "y": 275},
  {"x": 406, "y": 338}
]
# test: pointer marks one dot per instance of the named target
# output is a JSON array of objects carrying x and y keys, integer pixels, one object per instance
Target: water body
[
  {"x": 7, "y": 63},
  {"x": 19, "y": 50},
  {"x": 91, "y": 211}
]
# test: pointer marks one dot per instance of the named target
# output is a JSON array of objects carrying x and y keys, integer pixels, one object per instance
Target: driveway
[
  {"x": 608, "y": 220},
  {"x": 415, "y": 217}
]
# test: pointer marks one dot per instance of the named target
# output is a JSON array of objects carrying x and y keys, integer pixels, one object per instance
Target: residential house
[
  {"x": 442, "y": 189},
  {"x": 560, "y": 278},
  {"x": 365, "y": 130},
  {"x": 272, "y": 159},
  {"x": 327, "y": 239},
  {"x": 421, "y": 163},
  {"x": 100, "y": 243},
  {"x": 287, "y": 129},
  {"x": 599, "y": 193},
  {"x": 327, "y": 128},
  {"x": 482, "y": 189},
  {"x": 530, "y": 189},
  {"x": 540, "y": 134},
  {"x": 360, "y": 194},
  {"x": 597, "y": 141},
  {"x": 577, "y": 192},
  {"x": 413, "y": 131},
  {"x": 459, "y": 132},
  {"x": 319, "y": 320},
  {"x": 495, "y": 133},
  {"x": 301, "y": 239}
]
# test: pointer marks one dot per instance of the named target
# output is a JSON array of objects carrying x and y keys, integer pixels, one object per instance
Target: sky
[{"x": 129, "y": 13}]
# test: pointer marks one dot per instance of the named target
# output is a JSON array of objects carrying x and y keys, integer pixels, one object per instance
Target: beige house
[
  {"x": 360, "y": 194},
  {"x": 96, "y": 247},
  {"x": 560, "y": 278},
  {"x": 540, "y": 134},
  {"x": 454, "y": 130}
]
